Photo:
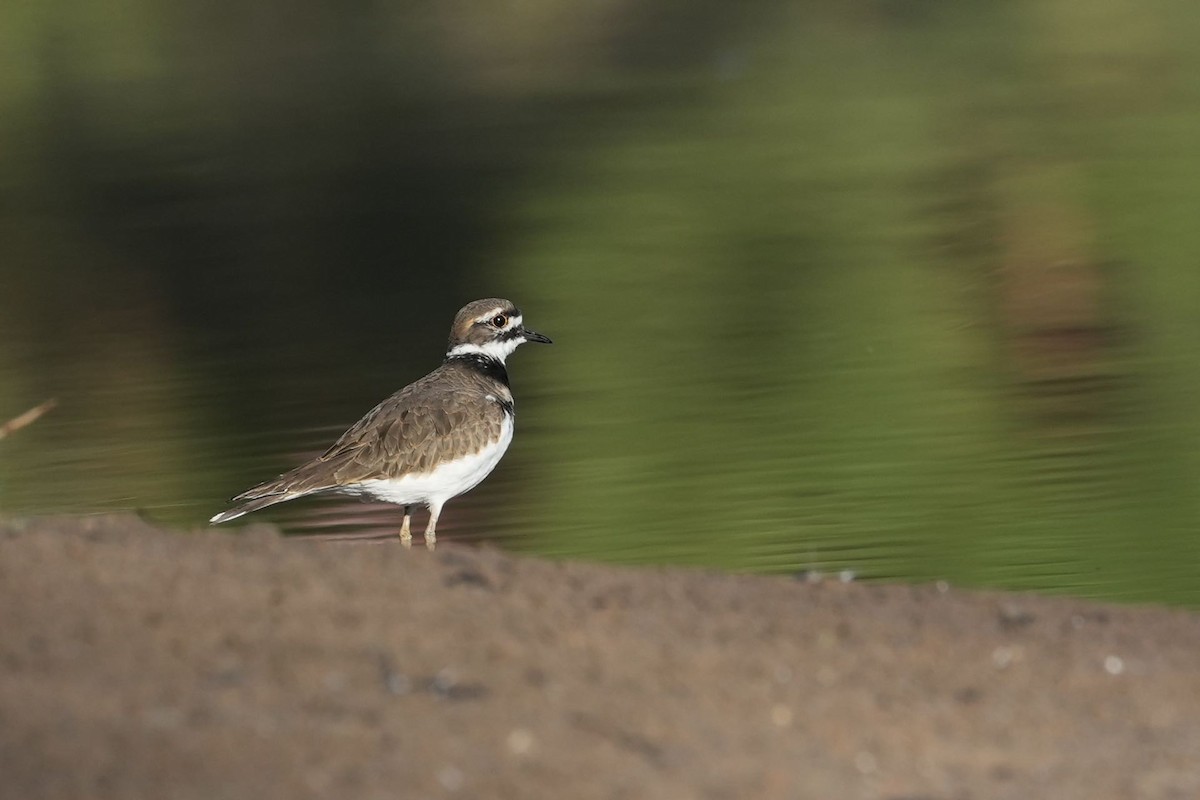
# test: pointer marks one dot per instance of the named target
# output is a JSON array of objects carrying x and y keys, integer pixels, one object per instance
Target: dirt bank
[{"x": 137, "y": 662}]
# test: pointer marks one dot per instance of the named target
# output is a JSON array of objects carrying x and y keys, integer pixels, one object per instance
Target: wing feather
[{"x": 448, "y": 412}]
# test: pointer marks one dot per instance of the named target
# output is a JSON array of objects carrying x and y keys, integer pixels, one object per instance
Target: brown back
[{"x": 445, "y": 415}]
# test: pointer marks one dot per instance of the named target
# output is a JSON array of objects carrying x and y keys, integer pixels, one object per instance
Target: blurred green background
[{"x": 906, "y": 288}]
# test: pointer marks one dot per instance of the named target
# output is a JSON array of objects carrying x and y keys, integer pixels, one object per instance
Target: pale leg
[
  {"x": 405, "y": 533},
  {"x": 431, "y": 529}
]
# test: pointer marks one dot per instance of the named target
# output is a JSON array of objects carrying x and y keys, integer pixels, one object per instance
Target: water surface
[{"x": 903, "y": 289}]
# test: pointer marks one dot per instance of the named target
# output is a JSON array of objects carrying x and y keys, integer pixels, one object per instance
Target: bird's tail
[
  {"x": 253, "y": 504},
  {"x": 315, "y": 477}
]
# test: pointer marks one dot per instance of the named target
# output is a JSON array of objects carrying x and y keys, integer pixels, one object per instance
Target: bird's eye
[{"x": 499, "y": 320}]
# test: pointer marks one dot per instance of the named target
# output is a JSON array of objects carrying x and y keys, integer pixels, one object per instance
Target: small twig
[{"x": 28, "y": 418}]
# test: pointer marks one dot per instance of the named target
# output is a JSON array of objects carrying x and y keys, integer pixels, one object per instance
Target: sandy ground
[{"x": 138, "y": 662}]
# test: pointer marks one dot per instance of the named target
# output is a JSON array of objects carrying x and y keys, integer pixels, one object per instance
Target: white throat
[{"x": 497, "y": 349}]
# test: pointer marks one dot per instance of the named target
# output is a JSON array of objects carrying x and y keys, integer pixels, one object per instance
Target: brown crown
[{"x": 464, "y": 330}]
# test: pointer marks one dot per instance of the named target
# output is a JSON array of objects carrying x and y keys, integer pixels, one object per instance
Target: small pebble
[
  {"x": 1114, "y": 665},
  {"x": 163, "y": 718},
  {"x": 520, "y": 741},
  {"x": 451, "y": 778},
  {"x": 865, "y": 762},
  {"x": 1002, "y": 657},
  {"x": 1013, "y": 616},
  {"x": 397, "y": 683},
  {"x": 445, "y": 679}
]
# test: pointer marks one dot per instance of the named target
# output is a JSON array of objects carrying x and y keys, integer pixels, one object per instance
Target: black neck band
[{"x": 484, "y": 365}]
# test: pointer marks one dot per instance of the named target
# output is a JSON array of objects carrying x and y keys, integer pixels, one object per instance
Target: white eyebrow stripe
[{"x": 514, "y": 321}]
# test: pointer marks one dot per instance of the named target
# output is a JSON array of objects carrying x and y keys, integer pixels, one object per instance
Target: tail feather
[
  {"x": 249, "y": 506},
  {"x": 314, "y": 477},
  {"x": 265, "y": 494}
]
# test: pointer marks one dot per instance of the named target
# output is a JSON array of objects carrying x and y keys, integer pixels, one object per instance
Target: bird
[{"x": 433, "y": 440}]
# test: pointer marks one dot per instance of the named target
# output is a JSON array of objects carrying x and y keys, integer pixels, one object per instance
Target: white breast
[{"x": 447, "y": 480}]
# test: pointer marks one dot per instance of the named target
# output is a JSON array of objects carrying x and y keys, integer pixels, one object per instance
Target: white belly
[{"x": 448, "y": 480}]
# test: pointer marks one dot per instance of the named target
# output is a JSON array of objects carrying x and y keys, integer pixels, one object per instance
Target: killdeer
[{"x": 433, "y": 440}]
